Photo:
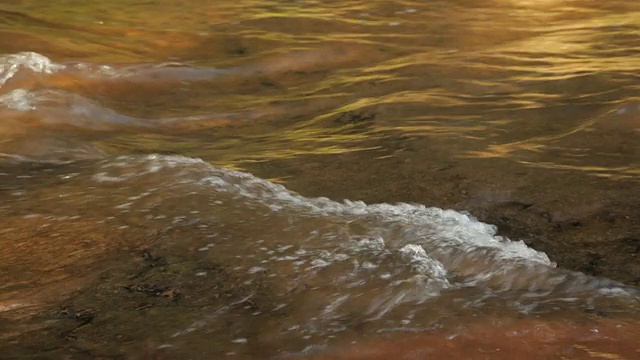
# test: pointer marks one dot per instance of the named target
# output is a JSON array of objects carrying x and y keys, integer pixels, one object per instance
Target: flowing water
[{"x": 147, "y": 150}]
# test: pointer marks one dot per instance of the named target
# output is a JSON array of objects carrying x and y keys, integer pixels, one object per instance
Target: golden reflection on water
[
  {"x": 471, "y": 71},
  {"x": 420, "y": 66},
  {"x": 599, "y": 139},
  {"x": 249, "y": 150},
  {"x": 611, "y": 172}
]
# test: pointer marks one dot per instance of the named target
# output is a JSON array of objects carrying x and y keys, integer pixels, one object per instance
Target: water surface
[{"x": 148, "y": 150}]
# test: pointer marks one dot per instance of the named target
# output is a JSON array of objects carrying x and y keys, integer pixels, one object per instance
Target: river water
[{"x": 149, "y": 151}]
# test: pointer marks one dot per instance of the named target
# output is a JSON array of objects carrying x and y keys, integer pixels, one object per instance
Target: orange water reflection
[
  {"x": 506, "y": 339},
  {"x": 422, "y": 67}
]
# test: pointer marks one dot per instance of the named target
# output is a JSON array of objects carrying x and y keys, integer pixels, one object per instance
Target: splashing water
[
  {"x": 328, "y": 266},
  {"x": 10, "y": 65}
]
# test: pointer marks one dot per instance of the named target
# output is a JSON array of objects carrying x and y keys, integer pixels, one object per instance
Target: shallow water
[{"x": 154, "y": 129}]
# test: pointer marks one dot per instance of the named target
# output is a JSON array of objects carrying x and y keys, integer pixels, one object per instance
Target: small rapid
[
  {"x": 35, "y": 90},
  {"x": 328, "y": 265},
  {"x": 15, "y": 65}
]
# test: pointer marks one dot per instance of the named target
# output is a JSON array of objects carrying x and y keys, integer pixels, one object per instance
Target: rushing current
[{"x": 144, "y": 166}]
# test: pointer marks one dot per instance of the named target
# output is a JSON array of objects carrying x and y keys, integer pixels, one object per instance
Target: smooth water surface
[{"x": 170, "y": 130}]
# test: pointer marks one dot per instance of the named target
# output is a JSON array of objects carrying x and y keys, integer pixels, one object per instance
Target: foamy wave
[
  {"x": 55, "y": 106},
  {"x": 437, "y": 229},
  {"x": 412, "y": 251},
  {"x": 11, "y": 64},
  {"x": 62, "y": 107},
  {"x": 19, "y": 99},
  {"x": 327, "y": 261}
]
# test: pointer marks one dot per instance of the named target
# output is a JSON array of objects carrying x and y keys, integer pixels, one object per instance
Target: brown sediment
[
  {"x": 150, "y": 295},
  {"x": 140, "y": 298},
  {"x": 495, "y": 338},
  {"x": 45, "y": 258}
]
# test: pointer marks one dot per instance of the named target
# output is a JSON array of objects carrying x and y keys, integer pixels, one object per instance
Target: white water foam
[
  {"x": 19, "y": 99},
  {"x": 434, "y": 249},
  {"x": 55, "y": 107},
  {"x": 402, "y": 254},
  {"x": 10, "y": 65},
  {"x": 392, "y": 266},
  {"x": 435, "y": 228},
  {"x": 415, "y": 251}
]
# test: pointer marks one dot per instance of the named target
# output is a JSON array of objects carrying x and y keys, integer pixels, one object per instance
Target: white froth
[
  {"x": 18, "y": 99},
  {"x": 423, "y": 264},
  {"x": 11, "y": 64},
  {"x": 90, "y": 70},
  {"x": 430, "y": 228},
  {"x": 333, "y": 260}
]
